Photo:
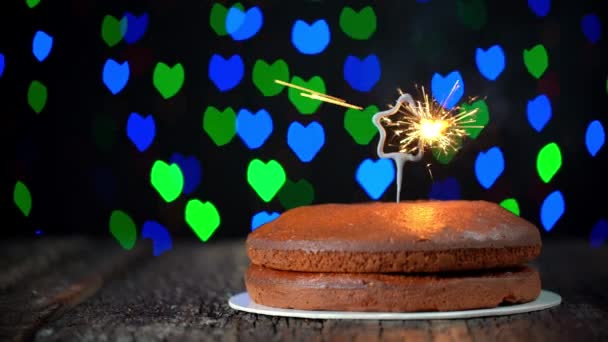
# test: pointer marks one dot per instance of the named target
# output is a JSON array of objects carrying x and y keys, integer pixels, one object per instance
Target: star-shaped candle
[{"x": 414, "y": 126}]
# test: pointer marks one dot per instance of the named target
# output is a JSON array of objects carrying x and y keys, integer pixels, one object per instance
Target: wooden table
[{"x": 54, "y": 289}]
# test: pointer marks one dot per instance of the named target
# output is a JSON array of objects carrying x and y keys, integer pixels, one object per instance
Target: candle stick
[{"x": 399, "y": 157}]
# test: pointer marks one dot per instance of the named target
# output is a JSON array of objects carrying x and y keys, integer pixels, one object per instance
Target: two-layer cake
[{"x": 398, "y": 257}]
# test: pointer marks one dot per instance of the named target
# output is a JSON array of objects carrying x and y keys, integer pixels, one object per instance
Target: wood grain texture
[
  {"x": 182, "y": 296},
  {"x": 52, "y": 277}
]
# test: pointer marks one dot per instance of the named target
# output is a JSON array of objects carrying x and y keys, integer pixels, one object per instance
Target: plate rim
[{"x": 545, "y": 300}]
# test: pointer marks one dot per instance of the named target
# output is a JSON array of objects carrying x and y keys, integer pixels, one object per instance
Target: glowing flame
[
  {"x": 432, "y": 129},
  {"x": 427, "y": 124}
]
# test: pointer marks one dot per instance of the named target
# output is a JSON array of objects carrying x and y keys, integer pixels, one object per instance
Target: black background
[{"x": 76, "y": 182}]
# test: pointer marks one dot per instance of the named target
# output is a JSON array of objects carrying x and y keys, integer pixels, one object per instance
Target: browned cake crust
[
  {"x": 421, "y": 236},
  {"x": 390, "y": 292}
]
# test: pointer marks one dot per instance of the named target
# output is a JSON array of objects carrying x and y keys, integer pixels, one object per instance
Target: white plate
[{"x": 545, "y": 300}]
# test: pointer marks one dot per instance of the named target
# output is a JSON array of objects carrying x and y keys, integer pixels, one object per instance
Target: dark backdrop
[{"x": 79, "y": 165}]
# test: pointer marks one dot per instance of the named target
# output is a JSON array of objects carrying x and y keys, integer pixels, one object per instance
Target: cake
[{"x": 408, "y": 256}]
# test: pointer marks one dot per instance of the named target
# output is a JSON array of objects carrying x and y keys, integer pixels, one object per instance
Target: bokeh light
[
  {"x": 113, "y": 29},
  {"x": 442, "y": 86},
  {"x": 296, "y": 194},
  {"x": 362, "y": 74},
  {"x": 141, "y": 130},
  {"x": 305, "y": 141},
  {"x": 22, "y": 198},
  {"x": 242, "y": 25},
  {"x": 203, "y": 218},
  {"x": 42, "y": 45},
  {"x": 220, "y": 126},
  {"x": 37, "y": 96},
  {"x": 446, "y": 156},
  {"x": 482, "y": 117},
  {"x": 592, "y": 27},
  {"x": 552, "y": 209},
  {"x": 548, "y": 161},
  {"x": 303, "y": 104},
  {"x": 123, "y": 229},
  {"x": 32, "y": 3},
  {"x": 310, "y": 39},
  {"x": 490, "y": 62},
  {"x": 2, "y": 64},
  {"x": 359, "y": 25},
  {"x": 224, "y": 73},
  {"x": 168, "y": 80},
  {"x": 595, "y": 137},
  {"x": 446, "y": 190},
  {"x": 539, "y": 112},
  {"x": 262, "y": 218},
  {"x": 264, "y": 74},
  {"x": 358, "y": 124},
  {"x": 599, "y": 233},
  {"x": 266, "y": 179},
  {"x": 191, "y": 170},
  {"x": 511, "y": 205},
  {"x": 167, "y": 180},
  {"x": 136, "y": 27},
  {"x": 254, "y": 128},
  {"x": 536, "y": 60},
  {"x": 540, "y": 7},
  {"x": 489, "y": 165},
  {"x": 161, "y": 239},
  {"x": 115, "y": 75},
  {"x": 217, "y": 17},
  {"x": 375, "y": 176},
  {"x": 286, "y": 157}
]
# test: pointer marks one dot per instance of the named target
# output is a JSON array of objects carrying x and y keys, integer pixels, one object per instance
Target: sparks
[{"x": 427, "y": 124}]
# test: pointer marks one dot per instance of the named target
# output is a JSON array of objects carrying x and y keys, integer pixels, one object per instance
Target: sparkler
[
  {"x": 315, "y": 95},
  {"x": 430, "y": 124},
  {"x": 423, "y": 124}
]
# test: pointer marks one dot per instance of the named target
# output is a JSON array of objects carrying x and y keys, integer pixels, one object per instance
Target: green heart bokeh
[
  {"x": 358, "y": 25},
  {"x": 168, "y": 80},
  {"x": 536, "y": 60},
  {"x": 511, "y": 205},
  {"x": 37, "y": 96},
  {"x": 266, "y": 179},
  {"x": 482, "y": 117},
  {"x": 113, "y": 30},
  {"x": 296, "y": 194},
  {"x": 168, "y": 180},
  {"x": 22, "y": 198},
  {"x": 303, "y": 104},
  {"x": 123, "y": 229},
  {"x": 203, "y": 218},
  {"x": 445, "y": 157},
  {"x": 359, "y": 124},
  {"x": 264, "y": 75},
  {"x": 217, "y": 17},
  {"x": 32, "y": 3},
  {"x": 220, "y": 126},
  {"x": 548, "y": 161}
]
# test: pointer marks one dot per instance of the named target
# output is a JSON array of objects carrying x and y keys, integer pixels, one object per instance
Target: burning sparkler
[
  {"x": 417, "y": 125},
  {"x": 430, "y": 124},
  {"x": 315, "y": 95}
]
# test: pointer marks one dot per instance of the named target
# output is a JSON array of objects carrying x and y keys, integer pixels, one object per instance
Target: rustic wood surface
[{"x": 80, "y": 289}]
